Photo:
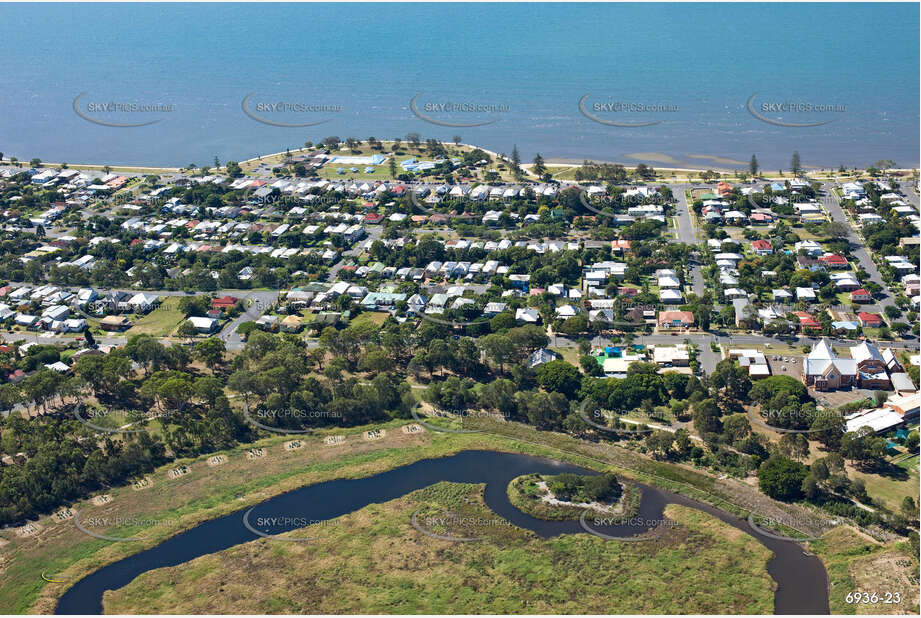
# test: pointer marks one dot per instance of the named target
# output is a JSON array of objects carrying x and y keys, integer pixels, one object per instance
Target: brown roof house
[{"x": 675, "y": 319}]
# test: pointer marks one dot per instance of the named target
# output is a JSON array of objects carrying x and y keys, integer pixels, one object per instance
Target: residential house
[
  {"x": 204, "y": 325},
  {"x": 527, "y": 314},
  {"x": 675, "y": 319},
  {"x": 762, "y": 247},
  {"x": 114, "y": 323},
  {"x": 540, "y": 357}
]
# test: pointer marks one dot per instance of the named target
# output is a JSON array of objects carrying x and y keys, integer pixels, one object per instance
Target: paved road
[
  {"x": 858, "y": 249},
  {"x": 374, "y": 232},
  {"x": 687, "y": 233},
  {"x": 44, "y": 338},
  {"x": 256, "y": 304}
]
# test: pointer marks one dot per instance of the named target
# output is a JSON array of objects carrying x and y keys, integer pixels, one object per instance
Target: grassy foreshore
[
  {"x": 59, "y": 552},
  {"x": 667, "y": 168},
  {"x": 372, "y": 561}
]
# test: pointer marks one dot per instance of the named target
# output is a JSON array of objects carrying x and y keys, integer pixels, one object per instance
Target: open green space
[{"x": 374, "y": 561}]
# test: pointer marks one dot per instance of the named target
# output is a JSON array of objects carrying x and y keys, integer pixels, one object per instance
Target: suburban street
[
  {"x": 687, "y": 233},
  {"x": 831, "y": 204}
]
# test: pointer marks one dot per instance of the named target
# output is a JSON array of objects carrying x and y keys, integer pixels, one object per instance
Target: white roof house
[{"x": 527, "y": 314}]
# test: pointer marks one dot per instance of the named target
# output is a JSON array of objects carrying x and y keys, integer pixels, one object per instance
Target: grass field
[
  {"x": 160, "y": 322},
  {"x": 64, "y": 554},
  {"x": 888, "y": 490},
  {"x": 374, "y": 561},
  {"x": 856, "y": 563},
  {"x": 374, "y": 317}
]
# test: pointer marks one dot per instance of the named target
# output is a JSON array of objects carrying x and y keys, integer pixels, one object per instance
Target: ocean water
[{"x": 693, "y": 66}]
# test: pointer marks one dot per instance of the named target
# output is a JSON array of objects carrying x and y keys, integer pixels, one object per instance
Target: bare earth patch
[
  {"x": 143, "y": 483},
  {"x": 178, "y": 472},
  {"x": 63, "y": 515},
  {"x": 28, "y": 530}
]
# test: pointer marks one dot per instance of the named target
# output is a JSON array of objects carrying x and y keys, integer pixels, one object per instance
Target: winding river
[{"x": 801, "y": 579}]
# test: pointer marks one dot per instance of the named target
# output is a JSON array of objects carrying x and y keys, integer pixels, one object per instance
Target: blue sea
[{"x": 689, "y": 80}]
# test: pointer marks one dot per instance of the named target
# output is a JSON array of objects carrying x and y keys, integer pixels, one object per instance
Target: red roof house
[
  {"x": 870, "y": 319},
  {"x": 224, "y": 302},
  {"x": 806, "y": 321},
  {"x": 762, "y": 247},
  {"x": 861, "y": 296},
  {"x": 832, "y": 260}
]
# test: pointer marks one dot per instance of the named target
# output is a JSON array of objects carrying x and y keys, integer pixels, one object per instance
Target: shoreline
[{"x": 665, "y": 168}]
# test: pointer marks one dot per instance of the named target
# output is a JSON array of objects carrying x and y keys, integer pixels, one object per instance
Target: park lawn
[
  {"x": 160, "y": 322},
  {"x": 373, "y": 561},
  {"x": 909, "y": 463},
  {"x": 374, "y": 317},
  {"x": 888, "y": 490},
  {"x": 857, "y": 563},
  {"x": 329, "y": 172},
  {"x": 568, "y": 354}
]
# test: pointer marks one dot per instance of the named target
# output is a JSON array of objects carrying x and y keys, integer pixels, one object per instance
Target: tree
[
  {"x": 737, "y": 427},
  {"x": 795, "y": 166},
  {"x": 211, "y": 352},
  {"x": 782, "y": 478},
  {"x": 909, "y": 508},
  {"x": 560, "y": 377},
  {"x": 516, "y": 163},
  {"x": 753, "y": 166},
  {"x": 539, "y": 167},
  {"x": 706, "y": 417},
  {"x": 456, "y": 139},
  {"x": 499, "y": 348},
  {"x": 794, "y": 445},
  {"x": 731, "y": 379},
  {"x": 187, "y": 330}
]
